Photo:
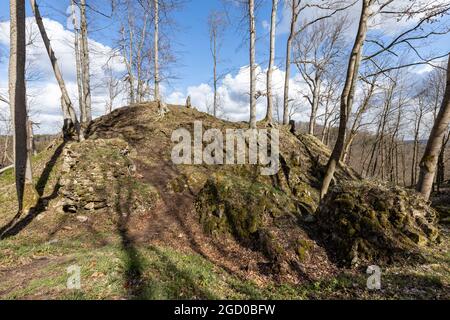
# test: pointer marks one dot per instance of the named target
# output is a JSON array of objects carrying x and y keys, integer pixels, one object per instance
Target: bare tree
[
  {"x": 5, "y": 121},
  {"x": 435, "y": 142},
  {"x": 70, "y": 119},
  {"x": 216, "y": 24},
  {"x": 357, "y": 124},
  {"x": 87, "y": 112},
  {"x": 17, "y": 95},
  {"x": 76, "y": 29},
  {"x": 112, "y": 86},
  {"x": 295, "y": 8},
  {"x": 318, "y": 50},
  {"x": 329, "y": 101},
  {"x": 347, "y": 95},
  {"x": 136, "y": 48},
  {"x": 273, "y": 23},
  {"x": 420, "y": 110},
  {"x": 156, "y": 49},
  {"x": 252, "y": 30}
]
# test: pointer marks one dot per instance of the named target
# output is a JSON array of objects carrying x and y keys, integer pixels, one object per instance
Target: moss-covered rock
[
  {"x": 368, "y": 222},
  {"x": 252, "y": 212}
]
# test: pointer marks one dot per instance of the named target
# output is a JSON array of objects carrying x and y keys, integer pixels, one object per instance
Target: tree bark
[
  {"x": 214, "y": 54},
  {"x": 347, "y": 96},
  {"x": 70, "y": 118},
  {"x": 314, "y": 106},
  {"x": 441, "y": 163},
  {"x": 17, "y": 95},
  {"x": 87, "y": 117},
  {"x": 129, "y": 63},
  {"x": 415, "y": 155},
  {"x": 273, "y": 25},
  {"x": 78, "y": 63},
  {"x": 294, "y": 5},
  {"x": 357, "y": 121},
  {"x": 434, "y": 145},
  {"x": 30, "y": 150},
  {"x": 156, "y": 45},
  {"x": 252, "y": 29}
]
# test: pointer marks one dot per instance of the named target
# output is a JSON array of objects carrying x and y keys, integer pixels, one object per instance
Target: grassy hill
[{"x": 140, "y": 227}]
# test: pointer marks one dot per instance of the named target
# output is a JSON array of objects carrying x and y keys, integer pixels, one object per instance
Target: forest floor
[{"x": 150, "y": 245}]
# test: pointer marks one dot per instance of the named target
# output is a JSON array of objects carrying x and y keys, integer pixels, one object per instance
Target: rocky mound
[
  {"x": 99, "y": 174},
  {"x": 262, "y": 218},
  {"x": 371, "y": 223},
  {"x": 272, "y": 225}
]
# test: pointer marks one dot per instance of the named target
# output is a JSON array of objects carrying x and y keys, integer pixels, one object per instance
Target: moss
[
  {"x": 251, "y": 212},
  {"x": 367, "y": 222},
  {"x": 346, "y": 202},
  {"x": 303, "y": 249},
  {"x": 7, "y": 177}
]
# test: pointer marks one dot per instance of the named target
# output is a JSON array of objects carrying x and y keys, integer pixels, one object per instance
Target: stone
[
  {"x": 375, "y": 223},
  {"x": 90, "y": 206},
  {"x": 82, "y": 219}
]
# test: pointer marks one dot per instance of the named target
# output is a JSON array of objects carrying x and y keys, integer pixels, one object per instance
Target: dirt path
[{"x": 173, "y": 223}]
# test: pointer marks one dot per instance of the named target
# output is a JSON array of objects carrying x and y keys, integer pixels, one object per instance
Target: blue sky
[{"x": 190, "y": 40}]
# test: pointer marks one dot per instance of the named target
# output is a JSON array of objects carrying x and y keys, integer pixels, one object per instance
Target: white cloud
[
  {"x": 234, "y": 94},
  {"x": 45, "y": 108}
]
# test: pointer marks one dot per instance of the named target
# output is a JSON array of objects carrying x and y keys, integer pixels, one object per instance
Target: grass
[
  {"x": 33, "y": 263},
  {"x": 155, "y": 272},
  {"x": 111, "y": 272}
]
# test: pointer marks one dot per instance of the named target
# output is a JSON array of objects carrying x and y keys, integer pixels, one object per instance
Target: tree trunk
[
  {"x": 347, "y": 96},
  {"x": 81, "y": 100},
  {"x": 273, "y": 25},
  {"x": 434, "y": 145},
  {"x": 348, "y": 146},
  {"x": 129, "y": 63},
  {"x": 288, "y": 62},
  {"x": 415, "y": 155},
  {"x": 314, "y": 106},
  {"x": 252, "y": 29},
  {"x": 30, "y": 147},
  {"x": 5, "y": 157},
  {"x": 156, "y": 45},
  {"x": 214, "y": 35},
  {"x": 357, "y": 121},
  {"x": 85, "y": 66},
  {"x": 17, "y": 95},
  {"x": 70, "y": 119}
]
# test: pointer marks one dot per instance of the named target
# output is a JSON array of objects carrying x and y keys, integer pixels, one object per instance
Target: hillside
[{"x": 141, "y": 227}]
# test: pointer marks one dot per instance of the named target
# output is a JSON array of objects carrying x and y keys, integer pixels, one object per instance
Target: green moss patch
[{"x": 367, "y": 222}]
